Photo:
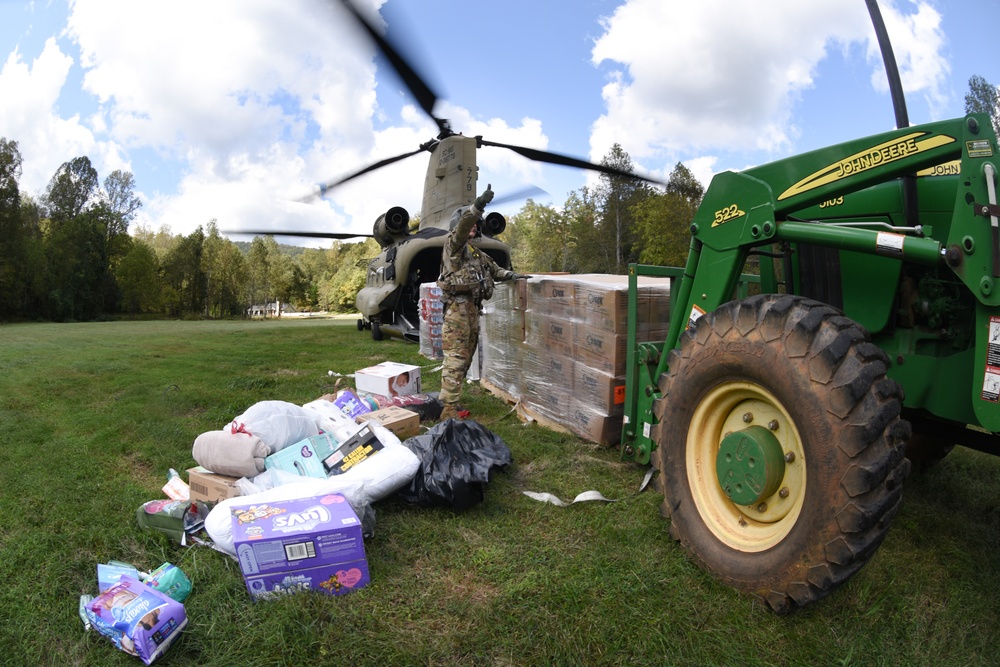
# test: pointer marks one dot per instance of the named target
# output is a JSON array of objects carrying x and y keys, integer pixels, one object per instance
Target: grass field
[{"x": 93, "y": 415}]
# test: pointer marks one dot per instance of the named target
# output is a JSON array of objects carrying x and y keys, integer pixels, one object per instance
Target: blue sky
[{"x": 230, "y": 110}]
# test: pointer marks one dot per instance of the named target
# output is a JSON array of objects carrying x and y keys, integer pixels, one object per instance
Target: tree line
[{"x": 70, "y": 253}]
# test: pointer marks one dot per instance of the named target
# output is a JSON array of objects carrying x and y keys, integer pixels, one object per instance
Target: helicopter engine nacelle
[
  {"x": 494, "y": 224},
  {"x": 391, "y": 225}
]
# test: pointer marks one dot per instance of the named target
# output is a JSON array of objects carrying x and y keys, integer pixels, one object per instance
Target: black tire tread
[{"x": 839, "y": 359}]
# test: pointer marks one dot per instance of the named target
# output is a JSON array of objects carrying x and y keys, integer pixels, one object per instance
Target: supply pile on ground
[{"x": 288, "y": 491}]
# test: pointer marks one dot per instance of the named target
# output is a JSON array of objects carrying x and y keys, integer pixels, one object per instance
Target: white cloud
[
  {"x": 254, "y": 101},
  {"x": 703, "y": 168},
  {"x": 29, "y": 115},
  {"x": 258, "y": 102},
  {"x": 918, "y": 41},
  {"x": 722, "y": 76}
]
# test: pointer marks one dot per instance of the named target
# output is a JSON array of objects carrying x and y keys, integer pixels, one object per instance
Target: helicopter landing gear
[
  {"x": 376, "y": 330},
  {"x": 361, "y": 324}
]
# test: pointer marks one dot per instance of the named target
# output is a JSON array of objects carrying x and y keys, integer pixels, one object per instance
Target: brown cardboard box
[
  {"x": 404, "y": 423},
  {"x": 602, "y": 392},
  {"x": 511, "y": 295},
  {"x": 602, "y": 301},
  {"x": 541, "y": 397},
  {"x": 594, "y": 426},
  {"x": 502, "y": 365},
  {"x": 552, "y": 296},
  {"x": 544, "y": 366},
  {"x": 549, "y": 334},
  {"x": 600, "y": 349},
  {"x": 558, "y": 336},
  {"x": 654, "y": 300},
  {"x": 521, "y": 288},
  {"x": 210, "y": 487}
]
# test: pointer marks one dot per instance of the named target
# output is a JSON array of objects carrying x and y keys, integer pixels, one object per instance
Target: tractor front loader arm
[{"x": 745, "y": 211}]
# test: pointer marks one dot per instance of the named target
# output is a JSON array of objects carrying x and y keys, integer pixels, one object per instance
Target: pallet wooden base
[{"x": 525, "y": 414}]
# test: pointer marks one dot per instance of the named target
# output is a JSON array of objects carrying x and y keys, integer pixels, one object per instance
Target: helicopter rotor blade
[
  {"x": 308, "y": 235},
  {"x": 517, "y": 195},
  {"x": 565, "y": 160},
  {"x": 425, "y": 97},
  {"x": 326, "y": 187}
]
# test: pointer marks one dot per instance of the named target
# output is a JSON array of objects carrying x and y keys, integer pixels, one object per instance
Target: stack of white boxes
[
  {"x": 431, "y": 313},
  {"x": 559, "y": 345}
]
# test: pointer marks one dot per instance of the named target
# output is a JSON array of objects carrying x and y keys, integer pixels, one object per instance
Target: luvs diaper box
[{"x": 294, "y": 546}]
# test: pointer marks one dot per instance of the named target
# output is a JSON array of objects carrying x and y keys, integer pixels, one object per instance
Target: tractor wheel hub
[{"x": 750, "y": 465}]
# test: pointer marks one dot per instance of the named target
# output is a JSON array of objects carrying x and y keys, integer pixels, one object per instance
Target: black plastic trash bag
[{"x": 457, "y": 460}]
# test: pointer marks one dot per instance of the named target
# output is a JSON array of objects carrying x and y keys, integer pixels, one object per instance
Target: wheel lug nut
[
  {"x": 773, "y": 424},
  {"x": 747, "y": 417},
  {"x": 783, "y": 493},
  {"x": 789, "y": 457},
  {"x": 762, "y": 508}
]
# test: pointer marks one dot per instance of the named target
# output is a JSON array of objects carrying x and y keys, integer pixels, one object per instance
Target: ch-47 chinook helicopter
[{"x": 389, "y": 301}]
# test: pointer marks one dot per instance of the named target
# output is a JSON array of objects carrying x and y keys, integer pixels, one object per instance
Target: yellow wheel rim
[{"x": 728, "y": 408}]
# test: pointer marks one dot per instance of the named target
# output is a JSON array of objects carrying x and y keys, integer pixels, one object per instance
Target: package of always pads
[{"x": 139, "y": 620}]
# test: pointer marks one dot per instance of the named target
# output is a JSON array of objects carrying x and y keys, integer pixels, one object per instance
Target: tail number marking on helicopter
[
  {"x": 447, "y": 155},
  {"x": 870, "y": 158},
  {"x": 468, "y": 179},
  {"x": 724, "y": 215}
]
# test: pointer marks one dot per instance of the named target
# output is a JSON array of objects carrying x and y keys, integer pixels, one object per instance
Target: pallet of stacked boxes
[{"x": 572, "y": 359}]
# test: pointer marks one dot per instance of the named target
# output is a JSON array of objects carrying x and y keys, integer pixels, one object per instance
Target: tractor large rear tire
[{"x": 810, "y": 377}]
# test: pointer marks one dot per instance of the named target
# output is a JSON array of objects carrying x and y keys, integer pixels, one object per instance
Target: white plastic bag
[
  {"x": 248, "y": 486},
  {"x": 277, "y": 423}
]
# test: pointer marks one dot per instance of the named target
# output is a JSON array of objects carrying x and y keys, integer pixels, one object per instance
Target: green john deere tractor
[{"x": 779, "y": 416}]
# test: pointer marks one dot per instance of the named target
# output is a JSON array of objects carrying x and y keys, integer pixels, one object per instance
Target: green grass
[{"x": 93, "y": 415}]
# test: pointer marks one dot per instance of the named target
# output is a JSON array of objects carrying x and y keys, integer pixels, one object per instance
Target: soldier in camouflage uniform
[{"x": 467, "y": 277}]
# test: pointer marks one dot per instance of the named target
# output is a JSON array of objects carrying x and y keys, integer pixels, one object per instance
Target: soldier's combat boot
[{"x": 450, "y": 411}]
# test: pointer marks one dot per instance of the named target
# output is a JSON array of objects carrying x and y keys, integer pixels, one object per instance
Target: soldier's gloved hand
[
  {"x": 485, "y": 198},
  {"x": 519, "y": 276}
]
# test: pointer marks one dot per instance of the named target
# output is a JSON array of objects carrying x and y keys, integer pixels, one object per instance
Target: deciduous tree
[
  {"x": 14, "y": 236},
  {"x": 71, "y": 189},
  {"x": 983, "y": 97},
  {"x": 138, "y": 275},
  {"x": 184, "y": 275},
  {"x": 663, "y": 221},
  {"x": 616, "y": 196},
  {"x": 540, "y": 239}
]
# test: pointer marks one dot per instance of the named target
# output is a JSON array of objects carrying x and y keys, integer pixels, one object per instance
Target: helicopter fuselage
[{"x": 391, "y": 295}]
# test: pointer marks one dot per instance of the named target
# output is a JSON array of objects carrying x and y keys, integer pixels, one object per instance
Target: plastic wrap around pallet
[{"x": 559, "y": 347}]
